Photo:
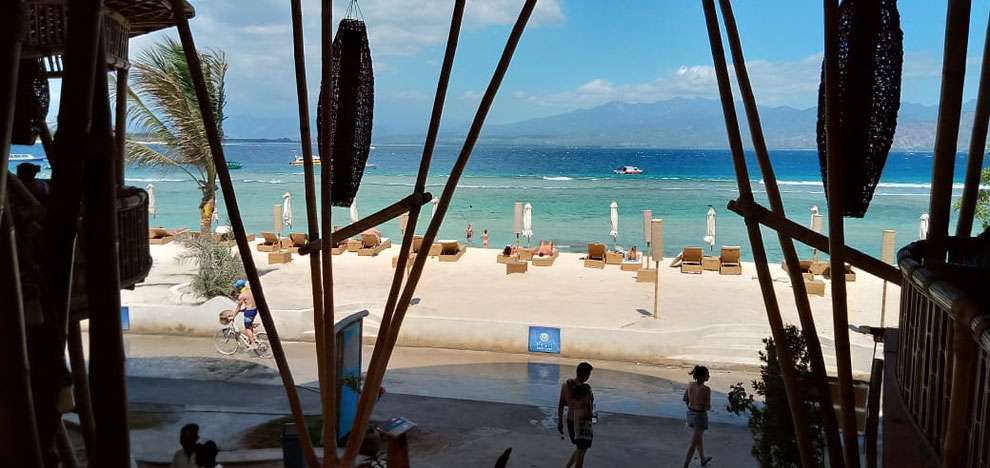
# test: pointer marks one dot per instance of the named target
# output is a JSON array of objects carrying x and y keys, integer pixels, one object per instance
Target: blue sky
[{"x": 575, "y": 54}]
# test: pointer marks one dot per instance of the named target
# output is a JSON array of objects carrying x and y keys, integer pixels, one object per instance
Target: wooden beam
[
  {"x": 326, "y": 204},
  {"x": 808, "y": 327},
  {"x": 947, "y": 130},
  {"x": 856, "y": 258},
  {"x": 120, "y": 123},
  {"x": 795, "y": 398},
  {"x": 384, "y": 215},
  {"x": 977, "y": 146},
  {"x": 369, "y": 393},
  {"x": 237, "y": 223}
]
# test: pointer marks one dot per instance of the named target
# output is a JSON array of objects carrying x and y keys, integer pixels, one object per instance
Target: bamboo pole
[
  {"x": 795, "y": 399},
  {"x": 963, "y": 351},
  {"x": 63, "y": 447},
  {"x": 808, "y": 327},
  {"x": 326, "y": 189},
  {"x": 836, "y": 234},
  {"x": 977, "y": 145},
  {"x": 947, "y": 131},
  {"x": 369, "y": 392},
  {"x": 120, "y": 122},
  {"x": 312, "y": 220},
  {"x": 106, "y": 347},
  {"x": 384, "y": 215},
  {"x": 80, "y": 386},
  {"x": 234, "y": 212},
  {"x": 856, "y": 258}
]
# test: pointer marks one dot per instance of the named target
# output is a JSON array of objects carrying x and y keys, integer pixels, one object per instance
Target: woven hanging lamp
[
  {"x": 351, "y": 107},
  {"x": 32, "y": 102},
  {"x": 870, "y": 57}
]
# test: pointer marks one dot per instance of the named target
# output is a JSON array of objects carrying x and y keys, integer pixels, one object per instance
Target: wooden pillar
[
  {"x": 947, "y": 132},
  {"x": 977, "y": 145},
  {"x": 379, "y": 359},
  {"x": 795, "y": 399},
  {"x": 808, "y": 327},
  {"x": 120, "y": 127},
  {"x": 80, "y": 386},
  {"x": 243, "y": 248}
]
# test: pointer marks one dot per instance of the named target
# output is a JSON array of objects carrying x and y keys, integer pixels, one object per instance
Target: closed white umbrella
[
  {"x": 354, "y": 213},
  {"x": 528, "y": 222},
  {"x": 614, "y": 232},
  {"x": 710, "y": 229},
  {"x": 816, "y": 225},
  {"x": 436, "y": 202},
  {"x": 923, "y": 227},
  {"x": 287, "y": 209},
  {"x": 152, "y": 206}
]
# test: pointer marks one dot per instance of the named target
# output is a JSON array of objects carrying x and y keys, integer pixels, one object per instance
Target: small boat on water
[
  {"x": 234, "y": 165},
  {"x": 300, "y": 161},
  {"x": 25, "y": 158},
  {"x": 628, "y": 170}
]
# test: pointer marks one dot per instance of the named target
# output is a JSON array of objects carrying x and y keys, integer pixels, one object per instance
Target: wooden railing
[{"x": 943, "y": 356}]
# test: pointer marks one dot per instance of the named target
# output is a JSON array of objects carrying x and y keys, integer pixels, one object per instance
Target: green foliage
[
  {"x": 982, "y": 211},
  {"x": 218, "y": 268},
  {"x": 774, "y": 444},
  {"x": 163, "y": 107}
]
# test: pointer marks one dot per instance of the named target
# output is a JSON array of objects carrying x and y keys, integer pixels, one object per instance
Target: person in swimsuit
[
  {"x": 698, "y": 398},
  {"x": 577, "y": 396},
  {"x": 470, "y": 233},
  {"x": 632, "y": 255},
  {"x": 245, "y": 303},
  {"x": 484, "y": 239}
]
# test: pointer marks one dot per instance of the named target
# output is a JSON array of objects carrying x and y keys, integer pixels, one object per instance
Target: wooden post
[
  {"x": 836, "y": 234},
  {"x": 80, "y": 386},
  {"x": 977, "y": 145},
  {"x": 795, "y": 399},
  {"x": 963, "y": 350},
  {"x": 312, "y": 220},
  {"x": 873, "y": 412},
  {"x": 647, "y": 223},
  {"x": 120, "y": 127},
  {"x": 887, "y": 255},
  {"x": 244, "y": 249},
  {"x": 947, "y": 131},
  {"x": 808, "y": 326},
  {"x": 376, "y": 374}
]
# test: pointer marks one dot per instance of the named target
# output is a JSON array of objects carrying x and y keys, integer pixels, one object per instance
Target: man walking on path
[
  {"x": 245, "y": 303},
  {"x": 577, "y": 396}
]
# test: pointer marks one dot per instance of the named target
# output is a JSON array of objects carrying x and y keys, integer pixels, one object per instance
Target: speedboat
[
  {"x": 25, "y": 157},
  {"x": 300, "y": 161},
  {"x": 628, "y": 170},
  {"x": 234, "y": 165}
]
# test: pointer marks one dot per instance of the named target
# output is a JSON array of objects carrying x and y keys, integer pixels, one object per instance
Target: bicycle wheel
[
  {"x": 225, "y": 341},
  {"x": 263, "y": 350}
]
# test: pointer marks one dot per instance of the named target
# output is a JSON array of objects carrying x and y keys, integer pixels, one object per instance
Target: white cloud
[{"x": 471, "y": 95}]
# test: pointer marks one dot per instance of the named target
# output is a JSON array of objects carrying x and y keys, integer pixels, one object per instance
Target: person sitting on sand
[
  {"x": 698, "y": 398},
  {"x": 632, "y": 255}
]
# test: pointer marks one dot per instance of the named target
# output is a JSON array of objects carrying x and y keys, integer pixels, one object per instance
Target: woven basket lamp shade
[
  {"x": 351, "y": 108},
  {"x": 870, "y": 58}
]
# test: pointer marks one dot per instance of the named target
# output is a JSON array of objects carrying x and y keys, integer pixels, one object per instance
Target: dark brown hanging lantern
[
  {"x": 870, "y": 57},
  {"x": 31, "y": 108},
  {"x": 351, "y": 111}
]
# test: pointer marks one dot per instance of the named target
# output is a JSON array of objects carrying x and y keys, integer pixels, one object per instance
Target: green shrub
[
  {"x": 218, "y": 266},
  {"x": 774, "y": 444}
]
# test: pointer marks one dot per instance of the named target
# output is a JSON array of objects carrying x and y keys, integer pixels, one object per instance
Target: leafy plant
[
  {"x": 982, "y": 211},
  {"x": 774, "y": 444},
  {"x": 163, "y": 107},
  {"x": 219, "y": 267}
]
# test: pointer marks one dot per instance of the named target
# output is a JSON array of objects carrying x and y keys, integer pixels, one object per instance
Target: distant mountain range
[{"x": 698, "y": 123}]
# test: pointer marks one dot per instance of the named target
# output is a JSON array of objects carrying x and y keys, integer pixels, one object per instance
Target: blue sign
[
  {"x": 125, "y": 318},
  {"x": 544, "y": 340}
]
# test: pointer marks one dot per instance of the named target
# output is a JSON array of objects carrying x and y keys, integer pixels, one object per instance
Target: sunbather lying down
[
  {"x": 374, "y": 231},
  {"x": 509, "y": 251},
  {"x": 545, "y": 249}
]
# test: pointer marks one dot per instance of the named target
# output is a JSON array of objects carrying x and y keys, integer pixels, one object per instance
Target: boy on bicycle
[{"x": 245, "y": 303}]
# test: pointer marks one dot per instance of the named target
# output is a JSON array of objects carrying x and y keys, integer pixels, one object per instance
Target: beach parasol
[
  {"x": 647, "y": 236},
  {"x": 436, "y": 202},
  {"x": 615, "y": 223},
  {"x": 923, "y": 227},
  {"x": 152, "y": 206},
  {"x": 517, "y": 221},
  {"x": 354, "y": 213},
  {"x": 816, "y": 225},
  {"x": 527, "y": 222},
  {"x": 287, "y": 209},
  {"x": 710, "y": 229}
]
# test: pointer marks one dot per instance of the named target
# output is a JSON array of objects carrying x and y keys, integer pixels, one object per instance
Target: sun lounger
[
  {"x": 409, "y": 262},
  {"x": 816, "y": 287},
  {"x": 451, "y": 251},
  {"x": 434, "y": 250},
  {"x": 506, "y": 258},
  {"x": 353, "y": 245},
  {"x": 631, "y": 265},
  {"x": 159, "y": 236},
  {"x": 818, "y": 268},
  {"x": 614, "y": 258},
  {"x": 269, "y": 242},
  {"x": 850, "y": 273},
  {"x": 296, "y": 240},
  {"x": 711, "y": 263},
  {"x": 730, "y": 260},
  {"x": 526, "y": 253},
  {"x": 691, "y": 260},
  {"x": 546, "y": 260},
  {"x": 596, "y": 256},
  {"x": 805, "y": 266},
  {"x": 646, "y": 275},
  {"x": 371, "y": 245},
  {"x": 515, "y": 267}
]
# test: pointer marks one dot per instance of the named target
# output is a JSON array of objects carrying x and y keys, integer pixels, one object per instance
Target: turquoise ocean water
[{"x": 570, "y": 190}]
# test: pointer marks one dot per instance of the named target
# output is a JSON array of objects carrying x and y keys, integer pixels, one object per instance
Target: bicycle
[{"x": 228, "y": 339}]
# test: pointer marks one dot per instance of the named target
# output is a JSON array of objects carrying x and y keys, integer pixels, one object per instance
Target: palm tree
[{"x": 163, "y": 106}]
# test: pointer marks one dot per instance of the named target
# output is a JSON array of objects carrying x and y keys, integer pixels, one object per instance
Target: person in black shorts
[{"x": 577, "y": 396}]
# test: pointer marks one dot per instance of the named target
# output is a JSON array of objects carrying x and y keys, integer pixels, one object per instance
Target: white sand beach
[{"x": 710, "y": 318}]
